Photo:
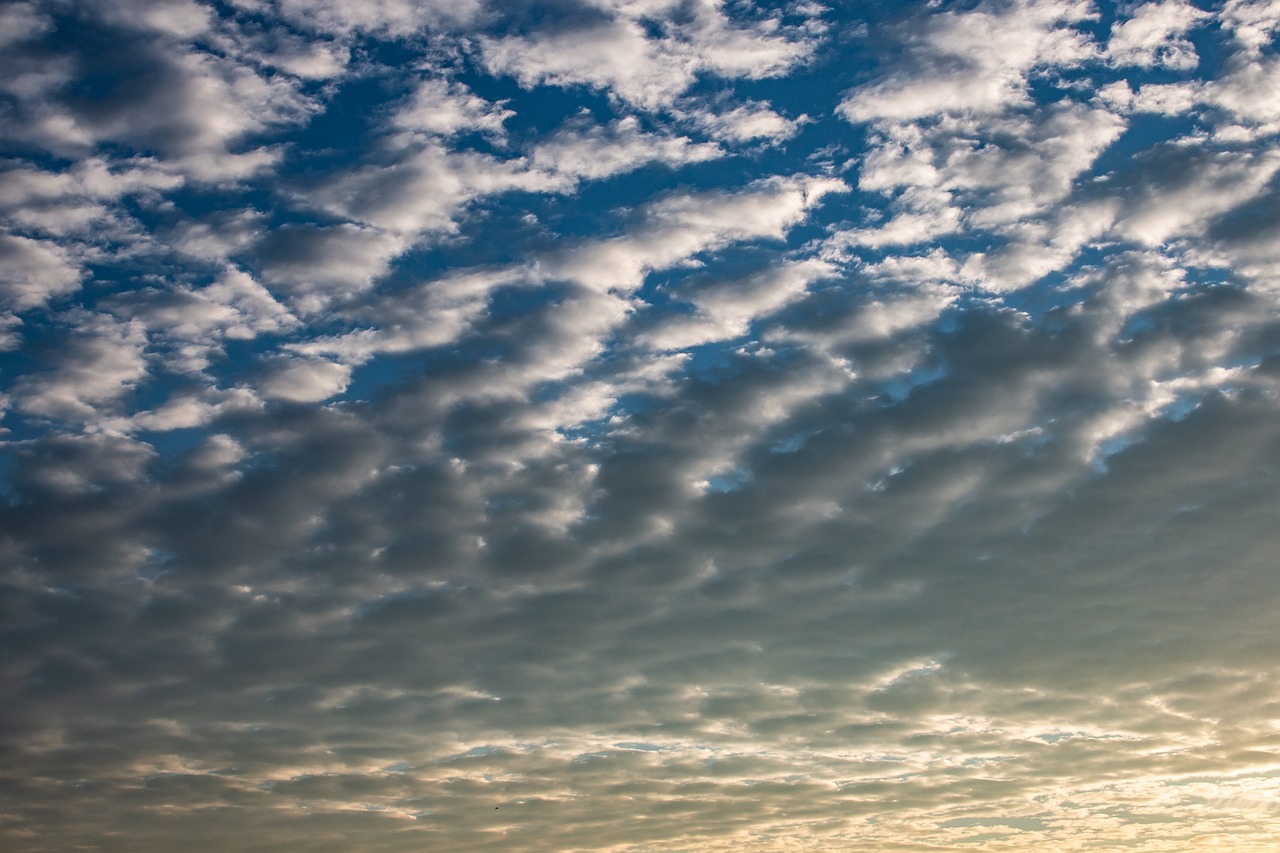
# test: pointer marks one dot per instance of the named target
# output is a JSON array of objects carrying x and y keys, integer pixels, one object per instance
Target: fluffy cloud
[
  {"x": 1154, "y": 36},
  {"x": 389, "y": 17},
  {"x": 598, "y": 152},
  {"x": 316, "y": 265},
  {"x": 615, "y": 50},
  {"x": 300, "y": 381},
  {"x": 196, "y": 324},
  {"x": 98, "y": 364},
  {"x": 975, "y": 61},
  {"x": 725, "y": 310},
  {"x": 422, "y": 189},
  {"x": 747, "y": 122},
  {"x": 34, "y": 272},
  {"x": 444, "y": 107}
]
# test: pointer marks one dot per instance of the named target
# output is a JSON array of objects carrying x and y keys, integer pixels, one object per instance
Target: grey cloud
[
  {"x": 191, "y": 108},
  {"x": 315, "y": 266}
]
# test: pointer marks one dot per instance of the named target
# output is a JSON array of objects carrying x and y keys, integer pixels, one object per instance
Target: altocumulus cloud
[{"x": 631, "y": 426}]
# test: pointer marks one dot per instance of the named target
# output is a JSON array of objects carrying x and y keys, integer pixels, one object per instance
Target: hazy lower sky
[{"x": 643, "y": 426}]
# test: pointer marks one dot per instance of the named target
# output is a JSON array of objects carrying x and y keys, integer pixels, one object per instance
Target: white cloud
[
  {"x": 430, "y": 315},
  {"x": 746, "y": 122},
  {"x": 1003, "y": 184},
  {"x": 299, "y": 380},
  {"x": 71, "y": 201},
  {"x": 679, "y": 227},
  {"x": 382, "y": 17},
  {"x": 219, "y": 451},
  {"x": 186, "y": 411},
  {"x": 614, "y": 55},
  {"x": 1244, "y": 94},
  {"x": 280, "y": 50},
  {"x": 1005, "y": 174},
  {"x": 919, "y": 214},
  {"x": 1184, "y": 188},
  {"x": 316, "y": 265},
  {"x": 423, "y": 188},
  {"x": 1254, "y": 23},
  {"x": 34, "y": 271},
  {"x": 446, "y": 107},
  {"x": 598, "y": 151},
  {"x": 670, "y": 233},
  {"x": 1248, "y": 92},
  {"x": 975, "y": 61},
  {"x": 726, "y": 309},
  {"x": 617, "y": 54},
  {"x": 215, "y": 237},
  {"x": 99, "y": 364},
  {"x": 195, "y": 323},
  {"x": 1153, "y": 36}
]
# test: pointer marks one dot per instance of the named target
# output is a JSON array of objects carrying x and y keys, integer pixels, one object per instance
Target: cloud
[
  {"x": 444, "y": 107},
  {"x": 725, "y": 310},
  {"x": 190, "y": 108},
  {"x": 614, "y": 51},
  {"x": 595, "y": 152},
  {"x": 1184, "y": 188},
  {"x": 961, "y": 175},
  {"x": 746, "y": 122},
  {"x": 35, "y": 271},
  {"x": 97, "y": 366},
  {"x": 423, "y": 188},
  {"x": 1153, "y": 36},
  {"x": 974, "y": 61},
  {"x": 316, "y": 265},
  {"x": 196, "y": 324},
  {"x": 22, "y": 22},
  {"x": 1252, "y": 22},
  {"x": 1239, "y": 94},
  {"x": 383, "y": 17},
  {"x": 303, "y": 381},
  {"x": 682, "y": 225},
  {"x": 669, "y": 233},
  {"x": 82, "y": 198}
]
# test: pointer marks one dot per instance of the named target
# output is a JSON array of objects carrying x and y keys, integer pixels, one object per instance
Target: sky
[{"x": 639, "y": 426}]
